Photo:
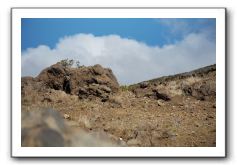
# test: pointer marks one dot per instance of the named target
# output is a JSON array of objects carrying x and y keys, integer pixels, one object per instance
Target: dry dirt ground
[{"x": 186, "y": 120}]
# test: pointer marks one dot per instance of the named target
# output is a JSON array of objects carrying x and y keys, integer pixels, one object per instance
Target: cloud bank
[{"x": 130, "y": 60}]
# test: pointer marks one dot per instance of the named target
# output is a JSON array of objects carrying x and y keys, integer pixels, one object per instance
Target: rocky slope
[{"x": 178, "y": 110}]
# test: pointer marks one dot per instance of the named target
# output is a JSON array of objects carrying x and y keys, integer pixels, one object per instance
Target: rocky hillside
[
  {"x": 178, "y": 110},
  {"x": 199, "y": 83}
]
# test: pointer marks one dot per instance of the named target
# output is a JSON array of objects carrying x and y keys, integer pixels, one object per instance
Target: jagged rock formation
[{"x": 86, "y": 82}]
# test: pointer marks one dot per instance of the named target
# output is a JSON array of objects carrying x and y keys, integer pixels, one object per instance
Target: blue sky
[
  {"x": 150, "y": 31},
  {"x": 158, "y": 46}
]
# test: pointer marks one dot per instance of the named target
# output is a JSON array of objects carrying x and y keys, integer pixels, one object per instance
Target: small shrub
[
  {"x": 78, "y": 64},
  {"x": 67, "y": 62},
  {"x": 124, "y": 88}
]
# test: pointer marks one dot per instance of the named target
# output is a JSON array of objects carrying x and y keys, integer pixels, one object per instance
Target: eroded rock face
[{"x": 92, "y": 81}]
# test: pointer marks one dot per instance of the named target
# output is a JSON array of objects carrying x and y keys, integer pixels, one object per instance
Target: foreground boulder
[{"x": 46, "y": 128}]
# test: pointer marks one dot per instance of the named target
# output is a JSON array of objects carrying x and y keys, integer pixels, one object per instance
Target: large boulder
[
  {"x": 91, "y": 81},
  {"x": 144, "y": 89},
  {"x": 47, "y": 128}
]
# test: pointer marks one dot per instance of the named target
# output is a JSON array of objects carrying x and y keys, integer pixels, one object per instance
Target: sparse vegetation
[
  {"x": 67, "y": 63},
  {"x": 124, "y": 87},
  {"x": 78, "y": 64}
]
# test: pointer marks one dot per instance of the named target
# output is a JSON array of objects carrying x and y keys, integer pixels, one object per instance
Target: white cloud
[{"x": 130, "y": 60}]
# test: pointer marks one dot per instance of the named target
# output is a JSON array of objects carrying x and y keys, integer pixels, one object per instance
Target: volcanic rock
[{"x": 84, "y": 81}]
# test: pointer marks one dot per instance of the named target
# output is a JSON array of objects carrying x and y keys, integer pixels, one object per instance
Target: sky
[{"x": 135, "y": 49}]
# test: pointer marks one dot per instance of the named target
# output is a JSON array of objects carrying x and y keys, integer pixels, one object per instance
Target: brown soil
[{"x": 138, "y": 115}]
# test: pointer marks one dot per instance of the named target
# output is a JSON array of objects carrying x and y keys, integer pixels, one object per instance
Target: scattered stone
[
  {"x": 46, "y": 99},
  {"x": 144, "y": 85},
  {"x": 187, "y": 90},
  {"x": 180, "y": 104},
  {"x": 105, "y": 88},
  {"x": 160, "y": 102},
  {"x": 197, "y": 124},
  {"x": 66, "y": 116},
  {"x": 105, "y": 99},
  {"x": 115, "y": 101},
  {"x": 210, "y": 116},
  {"x": 98, "y": 70},
  {"x": 167, "y": 134},
  {"x": 161, "y": 96},
  {"x": 59, "y": 101},
  {"x": 82, "y": 93},
  {"x": 213, "y": 130}
]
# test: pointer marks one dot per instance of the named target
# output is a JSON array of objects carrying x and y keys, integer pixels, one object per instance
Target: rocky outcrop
[
  {"x": 200, "y": 90},
  {"x": 200, "y": 84},
  {"x": 86, "y": 82},
  {"x": 144, "y": 90}
]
